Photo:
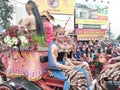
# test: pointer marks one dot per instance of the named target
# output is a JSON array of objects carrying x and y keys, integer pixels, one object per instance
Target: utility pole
[{"x": 109, "y": 32}]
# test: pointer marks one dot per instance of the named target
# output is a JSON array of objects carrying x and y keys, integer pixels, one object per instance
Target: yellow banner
[
  {"x": 84, "y": 37},
  {"x": 56, "y": 6},
  {"x": 88, "y": 21}
]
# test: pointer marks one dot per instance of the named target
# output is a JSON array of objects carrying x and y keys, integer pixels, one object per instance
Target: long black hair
[{"x": 39, "y": 24}]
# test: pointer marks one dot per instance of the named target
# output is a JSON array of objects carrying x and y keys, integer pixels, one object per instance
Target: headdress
[{"x": 58, "y": 29}]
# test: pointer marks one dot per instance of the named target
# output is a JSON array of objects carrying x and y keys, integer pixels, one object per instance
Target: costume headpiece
[{"x": 59, "y": 29}]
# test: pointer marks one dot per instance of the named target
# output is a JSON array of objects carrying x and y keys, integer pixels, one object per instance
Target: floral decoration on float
[{"x": 19, "y": 37}]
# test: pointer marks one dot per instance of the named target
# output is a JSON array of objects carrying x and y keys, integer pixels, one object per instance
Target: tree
[
  {"x": 6, "y": 10},
  {"x": 118, "y": 38}
]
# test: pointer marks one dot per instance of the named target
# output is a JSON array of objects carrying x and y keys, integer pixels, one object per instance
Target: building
[{"x": 91, "y": 21}]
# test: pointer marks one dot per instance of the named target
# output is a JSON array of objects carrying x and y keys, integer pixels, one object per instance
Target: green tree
[
  {"x": 118, "y": 38},
  {"x": 6, "y": 10}
]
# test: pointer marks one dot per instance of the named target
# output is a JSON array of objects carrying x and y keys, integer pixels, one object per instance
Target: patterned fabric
[
  {"x": 85, "y": 66},
  {"x": 110, "y": 73},
  {"x": 76, "y": 78}
]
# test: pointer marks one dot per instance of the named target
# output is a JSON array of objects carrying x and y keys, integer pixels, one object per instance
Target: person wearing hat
[{"x": 48, "y": 26}]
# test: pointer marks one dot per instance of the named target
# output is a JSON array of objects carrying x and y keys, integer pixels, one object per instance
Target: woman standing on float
[{"x": 33, "y": 21}]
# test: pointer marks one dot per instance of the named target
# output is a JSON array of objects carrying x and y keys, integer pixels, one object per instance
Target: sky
[{"x": 113, "y": 14}]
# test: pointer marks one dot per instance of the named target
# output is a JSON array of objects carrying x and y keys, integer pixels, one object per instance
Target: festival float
[
  {"x": 24, "y": 50},
  {"x": 20, "y": 53}
]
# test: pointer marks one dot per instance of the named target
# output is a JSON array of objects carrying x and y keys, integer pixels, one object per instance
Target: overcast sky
[{"x": 114, "y": 14}]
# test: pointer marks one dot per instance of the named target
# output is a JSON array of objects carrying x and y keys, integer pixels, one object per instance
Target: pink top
[{"x": 49, "y": 32}]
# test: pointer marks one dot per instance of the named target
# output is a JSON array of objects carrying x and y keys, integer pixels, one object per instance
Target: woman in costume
[
  {"x": 75, "y": 78},
  {"x": 32, "y": 21},
  {"x": 111, "y": 72},
  {"x": 81, "y": 63}
]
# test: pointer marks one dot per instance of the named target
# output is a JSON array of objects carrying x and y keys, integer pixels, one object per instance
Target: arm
[
  {"x": 114, "y": 59},
  {"x": 24, "y": 22},
  {"x": 68, "y": 61},
  {"x": 20, "y": 22},
  {"x": 59, "y": 65}
]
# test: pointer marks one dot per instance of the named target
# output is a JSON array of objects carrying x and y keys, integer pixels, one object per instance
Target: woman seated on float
[
  {"x": 71, "y": 49},
  {"x": 75, "y": 77}
]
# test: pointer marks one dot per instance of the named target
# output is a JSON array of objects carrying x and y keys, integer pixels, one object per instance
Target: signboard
[
  {"x": 90, "y": 34},
  {"x": 102, "y": 17},
  {"x": 90, "y": 21},
  {"x": 56, "y": 6},
  {"x": 92, "y": 26},
  {"x": 91, "y": 13},
  {"x": 61, "y": 10}
]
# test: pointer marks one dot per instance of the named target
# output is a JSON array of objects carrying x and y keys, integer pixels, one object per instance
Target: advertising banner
[
  {"x": 102, "y": 17},
  {"x": 90, "y": 34},
  {"x": 56, "y": 6},
  {"x": 91, "y": 13}
]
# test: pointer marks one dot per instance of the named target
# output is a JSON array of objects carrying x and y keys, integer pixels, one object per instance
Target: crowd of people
[
  {"x": 74, "y": 59},
  {"x": 104, "y": 57}
]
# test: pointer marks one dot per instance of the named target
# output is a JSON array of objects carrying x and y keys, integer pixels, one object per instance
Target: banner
[
  {"x": 90, "y": 34},
  {"x": 90, "y": 21},
  {"x": 56, "y": 6},
  {"x": 91, "y": 26},
  {"x": 102, "y": 17}
]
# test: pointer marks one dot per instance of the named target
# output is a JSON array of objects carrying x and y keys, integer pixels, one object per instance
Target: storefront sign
[{"x": 90, "y": 34}]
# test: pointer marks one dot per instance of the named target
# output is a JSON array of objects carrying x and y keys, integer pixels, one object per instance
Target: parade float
[
  {"x": 20, "y": 53},
  {"x": 24, "y": 52}
]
